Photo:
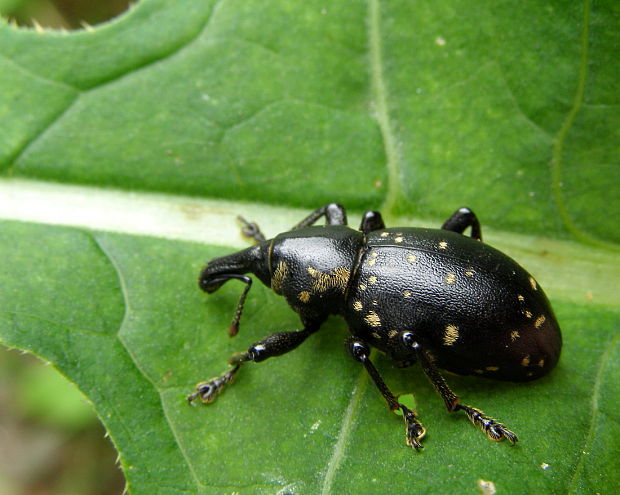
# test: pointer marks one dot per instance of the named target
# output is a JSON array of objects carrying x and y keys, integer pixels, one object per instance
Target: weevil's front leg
[
  {"x": 460, "y": 220},
  {"x": 493, "y": 429},
  {"x": 333, "y": 212},
  {"x": 276, "y": 344},
  {"x": 251, "y": 230},
  {"x": 414, "y": 431}
]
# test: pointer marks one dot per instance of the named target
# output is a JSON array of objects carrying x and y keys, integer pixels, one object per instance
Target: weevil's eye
[{"x": 408, "y": 340}]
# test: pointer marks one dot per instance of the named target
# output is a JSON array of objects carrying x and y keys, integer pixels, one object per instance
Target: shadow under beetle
[{"x": 430, "y": 295}]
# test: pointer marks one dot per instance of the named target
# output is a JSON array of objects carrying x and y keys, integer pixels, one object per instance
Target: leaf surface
[{"x": 417, "y": 108}]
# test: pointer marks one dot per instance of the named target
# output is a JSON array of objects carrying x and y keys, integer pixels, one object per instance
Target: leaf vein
[{"x": 380, "y": 108}]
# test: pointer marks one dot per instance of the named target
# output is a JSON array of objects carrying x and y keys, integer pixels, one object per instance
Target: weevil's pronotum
[{"x": 433, "y": 296}]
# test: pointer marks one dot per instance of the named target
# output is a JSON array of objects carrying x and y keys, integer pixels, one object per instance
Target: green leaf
[{"x": 177, "y": 116}]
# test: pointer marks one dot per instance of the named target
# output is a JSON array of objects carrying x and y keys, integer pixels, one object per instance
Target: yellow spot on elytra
[
  {"x": 304, "y": 296},
  {"x": 527, "y": 314},
  {"x": 492, "y": 368},
  {"x": 533, "y": 283},
  {"x": 362, "y": 287},
  {"x": 412, "y": 258},
  {"x": 398, "y": 239},
  {"x": 541, "y": 363},
  {"x": 407, "y": 293},
  {"x": 278, "y": 277},
  {"x": 443, "y": 245},
  {"x": 514, "y": 335},
  {"x": 372, "y": 319},
  {"x": 372, "y": 279},
  {"x": 371, "y": 261},
  {"x": 525, "y": 361},
  {"x": 376, "y": 335},
  {"x": 470, "y": 273},
  {"x": 451, "y": 334},
  {"x": 392, "y": 334},
  {"x": 338, "y": 278},
  {"x": 375, "y": 302},
  {"x": 539, "y": 321},
  {"x": 385, "y": 234},
  {"x": 450, "y": 278},
  {"x": 520, "y": 298},
  {"x": 357, "y": 306}
]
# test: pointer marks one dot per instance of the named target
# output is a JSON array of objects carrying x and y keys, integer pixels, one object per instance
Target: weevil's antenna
[{"x": 233, "y": 329}]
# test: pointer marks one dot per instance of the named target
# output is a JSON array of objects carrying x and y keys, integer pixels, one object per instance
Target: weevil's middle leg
[
  {"x": 414, "y": 431},
  {"x": 493, "y": 429},
  {"x": 275, "y": 344},
  {"x": 371, "y": 220}
]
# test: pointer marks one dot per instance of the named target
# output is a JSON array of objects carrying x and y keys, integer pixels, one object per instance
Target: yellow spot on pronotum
[
  {"x": 528, "y": 314},
  {"x": 539, "y": 321},
  {"x": 525, "y": 361},
  {"x": 278, "y": 277},
  {"x": 470, "y": 273},
  {"x": 492, "y": 368},
  {"x": 338, "y": 278},
  {"x": 362, "y": 287},
  {"x": 541, "y": 363},
  {"x": 407, "y": 294},
  {"x": 372, "y": 319},
  {"x": 385, "y": 234},
  {"x": 372, "y": 279},
  {"x": 304, "y": 296},
  {"x": 451, "y": 334},
  {"x": 514, "y": 335},
  {"x": 533, "y": 283},
  {"x": 398, "y": 239},
  {"x": 520, "y": 298},
  {"x": 450, "y": 278},
  {"x": 392, "y": 334},
  {"x": 412, "y": 258},
  {"x": 357, "y": 306},
  {"x": 443, "y": 245}
]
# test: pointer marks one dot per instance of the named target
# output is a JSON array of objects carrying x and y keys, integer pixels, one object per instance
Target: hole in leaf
[{"x": 62, "y": 14}]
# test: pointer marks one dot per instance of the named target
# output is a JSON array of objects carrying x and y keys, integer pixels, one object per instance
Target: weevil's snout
[{"x": 211, "y": 280}]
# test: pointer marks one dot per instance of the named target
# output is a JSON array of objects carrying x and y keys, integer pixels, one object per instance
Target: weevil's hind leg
[
  {"x": 275, "y": 344},
  {"x": 460, "y": 220},
  {"x": 493, "y": 429},
  {"x": 414, "y": 431},
  {"x": 334, "y": 214},
  {"x": 371, "y": 220}
]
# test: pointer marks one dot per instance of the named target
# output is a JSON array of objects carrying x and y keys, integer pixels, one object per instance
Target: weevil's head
[{"x": 219, "y": 270}]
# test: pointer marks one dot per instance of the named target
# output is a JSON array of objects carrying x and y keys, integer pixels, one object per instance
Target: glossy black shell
[{"x": 472, "y": 307}]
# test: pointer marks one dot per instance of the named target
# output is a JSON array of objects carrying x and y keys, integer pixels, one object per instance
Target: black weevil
[{"x": 430, "y": 295}]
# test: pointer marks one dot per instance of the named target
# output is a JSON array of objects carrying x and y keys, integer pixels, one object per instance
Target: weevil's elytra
[{"x": 433, "y": 296}]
